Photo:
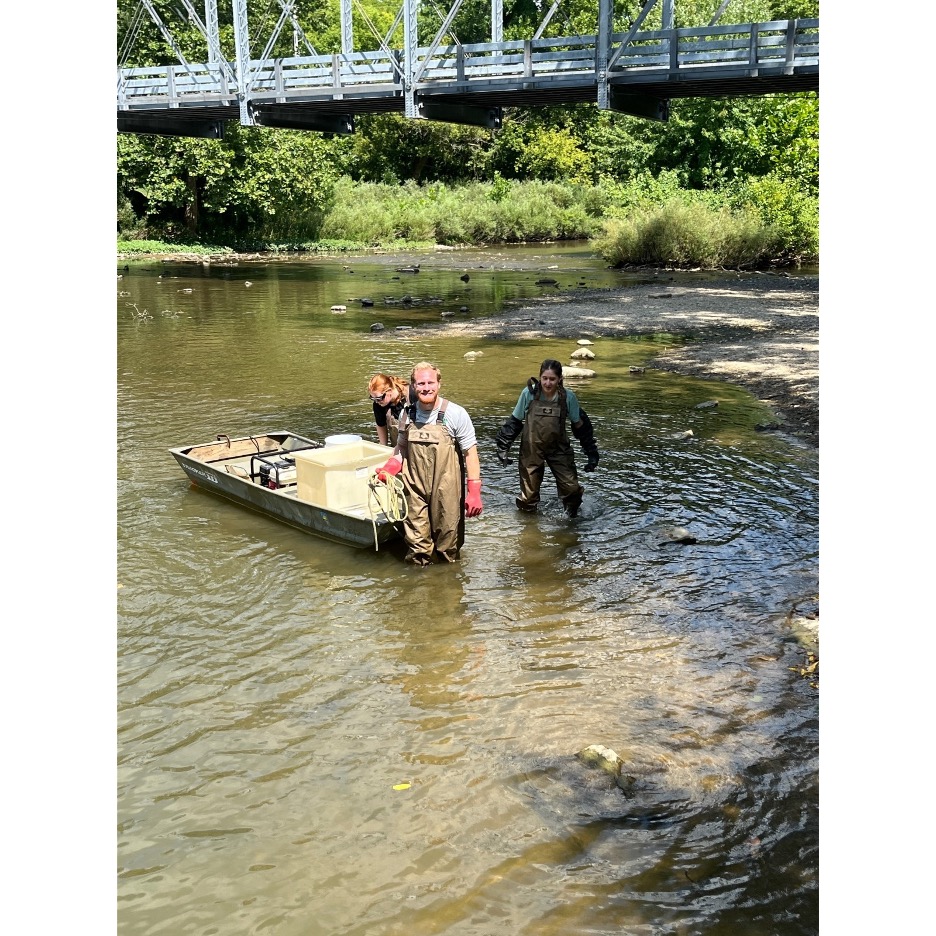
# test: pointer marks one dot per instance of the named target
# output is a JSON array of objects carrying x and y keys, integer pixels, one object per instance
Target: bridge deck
[{"x": 714, "y": 61}]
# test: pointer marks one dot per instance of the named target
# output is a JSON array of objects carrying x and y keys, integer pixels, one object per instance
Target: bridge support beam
[
  {"x": 490, "y": 117},
  {"x": 242, "y": 52},
  {"x": 291, "y": 118},
  {"x": 410, "y": 44},
  {"x": 169, "y": 126},
  {"x": 638, "y": 105},
  {"x": 603, "y": 49}
]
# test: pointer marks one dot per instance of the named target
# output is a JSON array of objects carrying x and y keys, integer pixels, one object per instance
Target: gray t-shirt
[{"x": 456, "y": 420}]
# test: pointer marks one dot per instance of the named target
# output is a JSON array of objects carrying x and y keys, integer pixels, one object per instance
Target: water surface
[{"x": 274, "y": 688}]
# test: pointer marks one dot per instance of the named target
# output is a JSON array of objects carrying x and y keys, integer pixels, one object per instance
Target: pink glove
[
  {"x": 392, "y": 467},
  {"x": 473, "y": 499}
]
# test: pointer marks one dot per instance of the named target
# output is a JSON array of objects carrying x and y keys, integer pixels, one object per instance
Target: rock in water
[{"x": 597, "y": 755}]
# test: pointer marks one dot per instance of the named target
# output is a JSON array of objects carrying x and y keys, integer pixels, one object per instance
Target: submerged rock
[
  {"x": 680, "y": 536},
  {"x": 597, "y": 755},
  {"x": 577, "y": 372}
]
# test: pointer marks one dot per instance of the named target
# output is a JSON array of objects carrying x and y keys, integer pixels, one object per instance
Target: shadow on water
[{"x": 320, "y": 740}]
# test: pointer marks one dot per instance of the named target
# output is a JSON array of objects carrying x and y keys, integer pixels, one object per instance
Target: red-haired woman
[{"x": 389, "y": 395}]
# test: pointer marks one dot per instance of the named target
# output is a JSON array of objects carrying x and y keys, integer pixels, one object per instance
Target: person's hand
[
  {"x": 592, "y": 462},
  {"x": 473, "y": 505},
  {"x": 392, "y": 467},
  {"x": 502, "y": 455}
]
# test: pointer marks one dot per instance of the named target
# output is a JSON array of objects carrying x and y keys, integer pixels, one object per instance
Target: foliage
[
  {"x": 791, "y": 213},
  {"x": 760, "y": 220},
  {"x": 381, "y": 214},
  {"x": 130, "y": 248},
  {"x": 255, "y": 185},
  {"x": 389, "y": 148},
  {"x": 687, "y": 234}
]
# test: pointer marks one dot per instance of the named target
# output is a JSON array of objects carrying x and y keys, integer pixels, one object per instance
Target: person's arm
[
  {"x": 380, "y": 420},
  {"x": 473, "y": 506},
  {"x": 513, "y": 426},
  {"x": 585, "y": 433}
]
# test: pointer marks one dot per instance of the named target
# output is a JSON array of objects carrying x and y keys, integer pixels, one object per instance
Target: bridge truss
[{"x": 637, "y": 72}]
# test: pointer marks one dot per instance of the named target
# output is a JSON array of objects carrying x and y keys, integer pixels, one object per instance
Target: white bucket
[{"x": 342, "y": 439}]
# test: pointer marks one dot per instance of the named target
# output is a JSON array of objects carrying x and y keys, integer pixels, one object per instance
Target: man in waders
[
  {"x": 437, "y": 459},
  {"x": 539, "y": 418}
]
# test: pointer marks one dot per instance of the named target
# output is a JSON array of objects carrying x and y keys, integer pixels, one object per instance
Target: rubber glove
[
  {"x": 502, "y": 454},
  {"x": 592, "y": 462},
  {"x": 392, "y": 467},
  {"x": 473, "y": 499}
]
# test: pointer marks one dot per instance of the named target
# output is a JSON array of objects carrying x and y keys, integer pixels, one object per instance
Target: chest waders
[
  {"x": 393, "y": 426},
  {"x": 544, "y": 443},
  {"x": 434, "y": 477}
]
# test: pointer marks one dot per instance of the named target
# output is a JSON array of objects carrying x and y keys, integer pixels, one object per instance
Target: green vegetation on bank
[
  {"x": 647, "y": 221},
  {"x": 724, "y": 182}
]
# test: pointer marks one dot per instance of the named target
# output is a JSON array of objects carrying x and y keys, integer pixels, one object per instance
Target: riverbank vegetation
[{"x": 724, "y": 182}]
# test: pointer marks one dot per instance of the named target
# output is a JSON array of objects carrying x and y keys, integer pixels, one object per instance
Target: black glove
[
  {"x": 506, "y": 436},
  {"x": 586, "y": 436},
  {"x": 533, "y": 385}
]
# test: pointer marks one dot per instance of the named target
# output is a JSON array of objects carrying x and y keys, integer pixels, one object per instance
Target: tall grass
[
  {"x": 750, "y": 224},
  {"x": 498, "y": 212}
]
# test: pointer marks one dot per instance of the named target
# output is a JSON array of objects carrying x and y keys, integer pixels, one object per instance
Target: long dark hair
[{"x": 553, "y": 365}]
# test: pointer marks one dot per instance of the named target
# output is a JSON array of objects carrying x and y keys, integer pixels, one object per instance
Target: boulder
[
  {"x": 597, "y": 755},
  {"x": 583, "y": 354},
  {"x": 577, "y": 372}
]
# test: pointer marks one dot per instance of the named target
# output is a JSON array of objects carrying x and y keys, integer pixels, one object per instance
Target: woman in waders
[
  {"x": 539, "y": 418},
  {"x": 436, "y": 457}
]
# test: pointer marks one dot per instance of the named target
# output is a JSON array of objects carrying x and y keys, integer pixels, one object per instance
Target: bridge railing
[{"x": 780, "y": 45}]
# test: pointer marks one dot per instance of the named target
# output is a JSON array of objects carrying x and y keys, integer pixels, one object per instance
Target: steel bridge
[{"x": 635, "y": 72}]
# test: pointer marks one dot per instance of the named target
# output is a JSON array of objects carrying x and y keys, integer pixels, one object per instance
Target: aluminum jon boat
[{"x": 325, "y": 488}]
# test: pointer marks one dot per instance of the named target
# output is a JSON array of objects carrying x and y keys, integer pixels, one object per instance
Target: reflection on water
[{"x": 274, "y": 688}]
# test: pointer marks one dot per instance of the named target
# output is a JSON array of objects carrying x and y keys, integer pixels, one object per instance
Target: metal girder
[
  {"x": 293, "y": 118},
  {"x": 641, "y": 16},
  {"x": 497, "y": 20},
  {"x": 490, "y": 117},
  {"x": 639, "y": 105},
  {"x": 410, "y": 44},
  {"x": 603, "y": 49},
  {"x": 172, "y": 126},
  {"x": 347, "y": 28},
  {"x": 443, "y": 29},
  {"x": 242, "y": 51}
]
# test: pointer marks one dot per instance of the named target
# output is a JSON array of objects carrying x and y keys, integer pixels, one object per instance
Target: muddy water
[{"x": 318, "y": 740}]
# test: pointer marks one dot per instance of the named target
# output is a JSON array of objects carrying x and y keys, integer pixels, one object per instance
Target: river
[{"x": 320, "y": 741}]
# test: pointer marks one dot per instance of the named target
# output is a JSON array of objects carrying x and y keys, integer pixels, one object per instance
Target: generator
[{"x": 276, "y": 471}]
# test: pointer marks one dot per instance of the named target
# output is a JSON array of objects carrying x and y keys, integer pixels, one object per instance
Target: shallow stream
[{"x": 321, "y": 741}]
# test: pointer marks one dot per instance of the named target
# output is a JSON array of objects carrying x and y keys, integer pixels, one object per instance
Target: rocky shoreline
[{"x": 757, "y": 330}]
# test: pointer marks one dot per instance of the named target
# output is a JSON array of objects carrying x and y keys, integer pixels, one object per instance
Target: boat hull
[{"x": 359, "y": 531}]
